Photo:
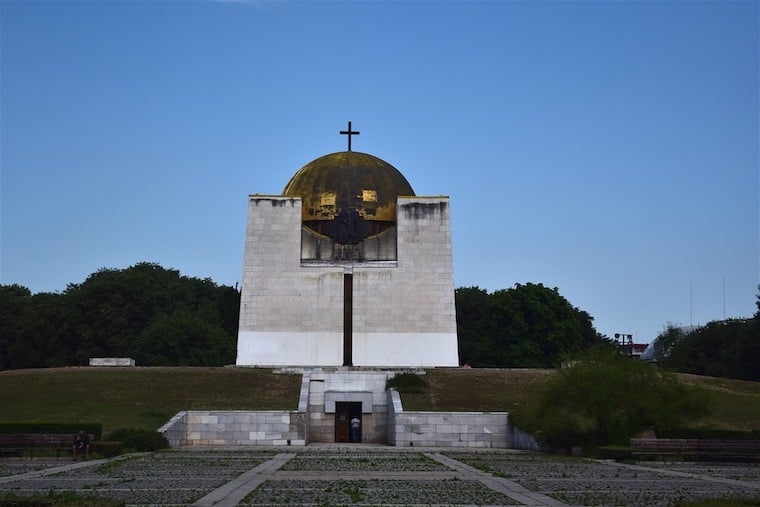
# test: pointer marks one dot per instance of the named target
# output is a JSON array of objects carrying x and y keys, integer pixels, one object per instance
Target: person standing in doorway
[{"x": 356, "y": 425}]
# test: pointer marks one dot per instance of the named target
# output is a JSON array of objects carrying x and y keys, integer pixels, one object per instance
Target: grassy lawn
[
  {"x": 138, "y": 397},
  {"x": 736, "y": 402},
  {"x": 476, "y": 390},
  {"x": 148, "y": 397}
]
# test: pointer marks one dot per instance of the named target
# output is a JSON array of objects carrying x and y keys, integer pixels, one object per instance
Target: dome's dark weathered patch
[{"x": 348, "y": 180}]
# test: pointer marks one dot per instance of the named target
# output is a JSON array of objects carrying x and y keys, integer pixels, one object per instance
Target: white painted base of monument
[{"x": 326, "y": 349}]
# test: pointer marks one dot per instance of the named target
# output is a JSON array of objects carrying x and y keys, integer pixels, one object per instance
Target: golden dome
[{"x": 348, "y": 180}]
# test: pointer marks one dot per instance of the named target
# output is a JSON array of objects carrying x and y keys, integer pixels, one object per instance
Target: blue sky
[{"x": 609, "y": 149}]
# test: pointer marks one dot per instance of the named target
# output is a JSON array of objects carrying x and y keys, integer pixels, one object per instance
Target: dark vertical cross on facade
[
  {"x": 349, "y": 133},
  {"x": 348, "y": 318}
]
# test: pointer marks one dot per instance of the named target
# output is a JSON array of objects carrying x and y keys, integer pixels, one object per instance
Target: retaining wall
[
  {"x": 236, "y": 427},
  {"x": 453, "y": 429}
]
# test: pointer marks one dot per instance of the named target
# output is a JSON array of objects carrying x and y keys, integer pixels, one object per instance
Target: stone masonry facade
[{"x": 292, "y": 310}]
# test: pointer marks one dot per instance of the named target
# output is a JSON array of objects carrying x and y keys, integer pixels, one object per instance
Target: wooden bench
[
  {"x": 20, "y": 444},
  {"x": 697, "y": 449}
]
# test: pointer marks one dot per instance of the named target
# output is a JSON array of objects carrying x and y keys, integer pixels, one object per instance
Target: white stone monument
[{"x": 348, "y": 268}]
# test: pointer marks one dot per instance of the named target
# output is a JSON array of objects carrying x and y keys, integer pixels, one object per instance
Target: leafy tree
[
  {"x": 606, "y": 398},
  {"x": 14, "y": 301},
  {"x": 184, "y": 339},
  {"x": 726, "y": 348},
  {"x": 525, "y": 326},
  {"x": 147, "y": 312},
  {"x": 473, "y": 310},
  {"x": 729, "y": 348},
  {"x": 665, "y": 341}
]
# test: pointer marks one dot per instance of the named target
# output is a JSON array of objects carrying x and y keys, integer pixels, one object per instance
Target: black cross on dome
[{"x": 349, "y": 133}]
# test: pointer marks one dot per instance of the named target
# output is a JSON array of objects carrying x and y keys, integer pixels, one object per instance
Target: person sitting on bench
[{"x": 81, "y": 444}]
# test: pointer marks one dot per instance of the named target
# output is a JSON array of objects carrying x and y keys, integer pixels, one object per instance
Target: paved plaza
[{"x": 375, "y": 475}]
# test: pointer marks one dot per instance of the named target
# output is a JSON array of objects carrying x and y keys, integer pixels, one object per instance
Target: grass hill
[
  {"x": 148, "y": 397},
  {"x": 736, "y": 403},
  {"x": 138, "y": 397}
]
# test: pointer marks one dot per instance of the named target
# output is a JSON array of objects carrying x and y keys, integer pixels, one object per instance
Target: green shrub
[
  {"x": 616, "y": 452},
  {"x": 605, "y": 399},
  {"x": 108, "y": 449},
  {"x": 406, "y": 383},
  {"x": 139, "y": 439}
]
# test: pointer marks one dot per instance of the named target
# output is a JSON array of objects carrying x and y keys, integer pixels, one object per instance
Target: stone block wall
[
  {"x": 175, "y": 430},
  {"x": 112, "y": 361},
  {"x": 367, "y": 387},
  {"x": 447, "y": 429},
  {"x": 383, "y": 419},
  {"x": 288, "y": 316},
  {"x": 235, "y": 427},
  {"x": 405, "y": 315},
  {"x": 291, "y": 311},
  {"x": 425, "y": 289}
]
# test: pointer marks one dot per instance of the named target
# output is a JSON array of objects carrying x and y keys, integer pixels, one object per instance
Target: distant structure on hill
[
  {"x": 627, "y": 347},
  {"x": 348, "y": 267},
  {"x": 655, "y": 350}
]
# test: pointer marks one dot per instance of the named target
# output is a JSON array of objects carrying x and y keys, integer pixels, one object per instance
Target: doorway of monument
[{"x": 345, "y": 412}]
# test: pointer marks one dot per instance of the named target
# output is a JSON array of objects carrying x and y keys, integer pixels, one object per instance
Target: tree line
[
  {"x": 727, "y": 348},
  {"x": 526, "y": 326},
  {"x": 145, "y": 312},
  {"x": 161, "y": 318}
]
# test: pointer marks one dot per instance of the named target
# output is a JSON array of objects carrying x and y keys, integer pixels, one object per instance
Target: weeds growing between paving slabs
[
  {"x": 638, "y": 499},
  {"x": 736, "y": 471},
  {"x": 10, "y": 467},
  {"x": 375, "y": 492},
  {"x": 163, "y": 478},
  {"x": 722, "y": 502},
  {"x": 374, "y": 462},
  {"x": 57, "y": 500},
  {"x": 579, "y": 481}
]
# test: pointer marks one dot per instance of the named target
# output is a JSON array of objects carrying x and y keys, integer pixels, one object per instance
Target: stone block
[
  {"x": 112, "y": 361},
  {"x": 193, "y": 417},
  {"x": 223, "y": 418}
]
